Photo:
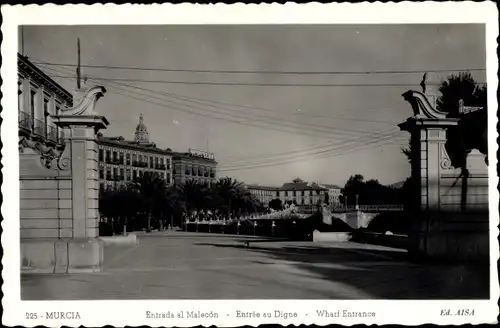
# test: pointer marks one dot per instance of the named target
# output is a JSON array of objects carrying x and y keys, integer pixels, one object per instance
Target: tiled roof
[
  {"x": 300, "y": 186},
  {"x": 330, "y": 186}
]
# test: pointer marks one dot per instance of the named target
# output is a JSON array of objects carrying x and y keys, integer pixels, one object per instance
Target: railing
[
  {"x": 39, "y": 128},
  {"x": 370, "y": 208},
  {"x": 25, "y": 121},
  {"x": 52, "y": 133}
]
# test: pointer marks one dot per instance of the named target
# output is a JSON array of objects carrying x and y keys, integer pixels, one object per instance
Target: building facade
[
  {"x": 334, "y": 193},
  {"x": 122, "y": 161},
  {"x": 262, "y": 193},
  {"x": 194, "y": 166},
  {"x": 298, "y": 192},
  {"x": 39, "y": 98}
]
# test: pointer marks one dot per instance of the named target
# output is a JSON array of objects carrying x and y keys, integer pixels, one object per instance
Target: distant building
[
  {"x": 194, "y": 165},
  {"x": 298, "y": 192},
  {"x": 39, "y": 97},
  {"x": 122, "y": 161},
  {"x": 262, "y": 193},
  {"x": 334, "y": 193}
]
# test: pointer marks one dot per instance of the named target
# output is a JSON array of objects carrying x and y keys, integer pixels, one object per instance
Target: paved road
[{"x": 180, "y": 265}]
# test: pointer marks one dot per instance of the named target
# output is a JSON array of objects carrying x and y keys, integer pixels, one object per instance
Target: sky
[{"x": 261, "y": 130}]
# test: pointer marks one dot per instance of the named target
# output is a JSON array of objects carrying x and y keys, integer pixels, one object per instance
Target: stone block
[
  {"x": 38, "y": 213},
  {"x": 38, "y": 255},
  {"x": 39, "y": 233},
  {"x": 65, "y": 213},
  {"x": 37, "y": 184},
  {"x": 40, "y": 223},
  {"x": 38, "y": 194},
  {"x": 64, "y": 184},
  {"x": 92, "y": 193},
  {"x": 328, "y": 237},
  {"x": 92, "y": 213},
  {"x": 91, "y": 174},
  {"x": 61, "y": 255},
  {"x": 85, "y": 255},
  {"x": 65, "y": 204},
  {"x": 38, "y": 203},
  {"x": 65, "y": 194}
]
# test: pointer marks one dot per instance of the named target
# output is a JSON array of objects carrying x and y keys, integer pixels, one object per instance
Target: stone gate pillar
[
  {"x": 69, "y": 178},
  {"x": 449, "y": 218}
]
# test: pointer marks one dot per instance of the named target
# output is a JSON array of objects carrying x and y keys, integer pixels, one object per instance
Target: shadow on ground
[{"x": 383, "y": 273}]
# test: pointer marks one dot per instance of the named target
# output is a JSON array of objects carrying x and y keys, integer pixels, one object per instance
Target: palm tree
[
  {"x": 227, "y": 189},
  {"x": 194, "y": 195},
  {"x": 152, "y": 189}
]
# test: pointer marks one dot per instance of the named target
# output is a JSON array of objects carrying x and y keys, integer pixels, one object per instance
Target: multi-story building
[
  {"x": 121, "y": 160},
  {"x": 39, "y": 97},
  {"x": 301, "y": 193},
  {"x": 194, "y": 165},
  {"x": 263, "y": 193},
  {"x": 298, "y": 192},
  {"x": 334, "y": 193}
]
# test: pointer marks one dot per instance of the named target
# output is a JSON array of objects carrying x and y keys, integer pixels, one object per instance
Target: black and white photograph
[{"x": 254, "y": 162}]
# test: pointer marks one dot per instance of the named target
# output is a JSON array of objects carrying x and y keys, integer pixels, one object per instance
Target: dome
[
  {"x": 141, "y": 127},
  {"x": 141, "y": 131}
]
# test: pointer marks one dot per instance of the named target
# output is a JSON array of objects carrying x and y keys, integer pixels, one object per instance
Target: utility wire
[
  {"x": 342, "y": 146},
  {"x": 331, "y": 130},
  {"x": 232, "y": 105},
  {"x": 264, "y": 71},
  {"x": 237, "y": 84},
  {"x": 241, "y": 168}
]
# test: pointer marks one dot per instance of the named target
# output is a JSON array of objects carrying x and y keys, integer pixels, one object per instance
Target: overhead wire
[{"x": 326, "y": 134}]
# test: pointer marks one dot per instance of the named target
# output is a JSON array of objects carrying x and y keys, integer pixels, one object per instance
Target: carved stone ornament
[
  {"x": 444, "y": 159},
  {"x": 48, "y": 154},
  {"x": 422, "y": 108},
  {"x": 86, "y": 107}
]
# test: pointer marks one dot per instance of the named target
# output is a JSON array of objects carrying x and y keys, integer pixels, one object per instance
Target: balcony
[
  {"x": 52, "y": 134},
  {"x": 39, "y": 129},
  {"x": 160, "y": 167},
  {"x": 26, "y": 122}
]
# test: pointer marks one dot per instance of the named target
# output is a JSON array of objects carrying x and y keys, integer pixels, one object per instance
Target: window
[
  {"x": 101, "y": 174},
  {"x": 168, "y": 164},
  {"x": 128, "y": 159},
  {"x": 108, "y": 173},
  {"x": 122, "y": 174},
  {"x": 151, "y": 162},
  {"x": 121, "y": 158},
  {"x": 134, "y": 174},
  {"x": 115, "y": 172},
  {"x": 32, "y": 103},
  {"x": 115, "y": 156},
  {"x": 129, "y": 177},
  {"x": 161, "y": 160},
  {"x": 140, "y": 158},
  {"x": 108, "y": 155},
  {"x": 101, "y": 155}
]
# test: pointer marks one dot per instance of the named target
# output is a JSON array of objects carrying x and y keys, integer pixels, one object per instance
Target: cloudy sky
[{"x": 297, "y": 116}]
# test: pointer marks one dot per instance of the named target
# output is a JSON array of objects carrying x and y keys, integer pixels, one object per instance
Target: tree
[
  {"x": 152, "y": 189},
  {"x": 227, "y": 189},
  {"x": 471, "y": 132},
  {"x": 276, "y": 204}
]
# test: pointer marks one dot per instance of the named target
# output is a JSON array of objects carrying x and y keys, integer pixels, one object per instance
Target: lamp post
[
  {"x": 273, "y": 226},
  {"x": 254, "y": 227},
  {"x": 238, "y": 228}
]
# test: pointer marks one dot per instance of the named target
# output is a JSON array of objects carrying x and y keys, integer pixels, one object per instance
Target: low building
[
  {"x": 263, "y": 193},
  {"x": 334, "y": 193},
  {"x": 195, "y": 166},
  {"x": 298, "y": 192},
  {"x": 122, "y": 161}
]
